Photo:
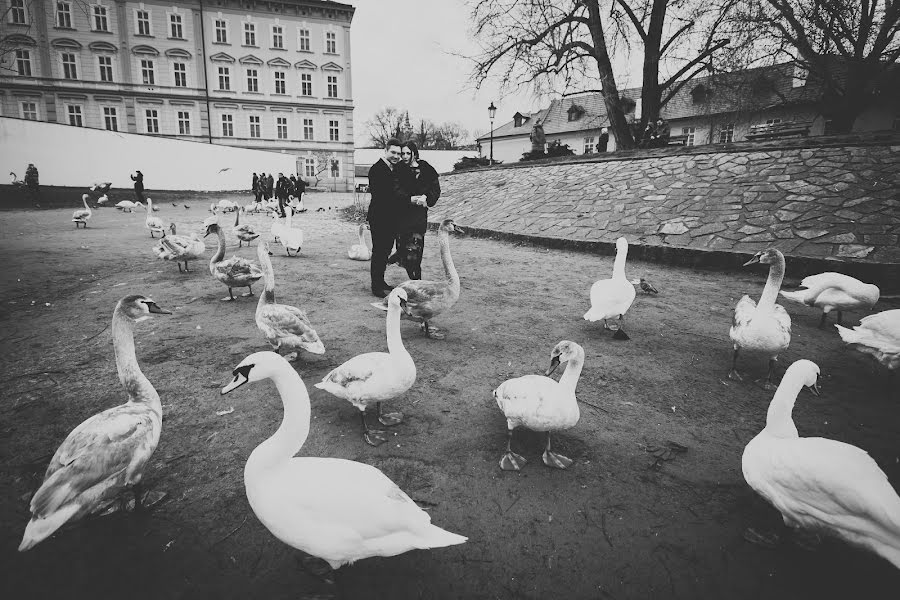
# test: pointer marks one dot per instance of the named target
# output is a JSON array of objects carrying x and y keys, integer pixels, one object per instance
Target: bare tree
[
  {"x": 386, "y": 124},
  {"x": 449, "y": 136},
  {"x": 849, "y": 47},
  {"x": 548, "y": 44}
]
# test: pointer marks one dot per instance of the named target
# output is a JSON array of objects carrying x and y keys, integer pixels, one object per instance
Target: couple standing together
[{"x": 403, "y": 187}]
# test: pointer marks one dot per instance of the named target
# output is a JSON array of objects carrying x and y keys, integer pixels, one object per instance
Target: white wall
[
  {"x": 441, "y": 160},
  {"x": 509, "y": 149},
  {"x": 76, "y": 156}
]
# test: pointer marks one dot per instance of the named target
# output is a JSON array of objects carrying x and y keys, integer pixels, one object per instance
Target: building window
[
  {"x": 29, "y": 111},
  {"x": 281, "y": 127},
  {"x": 104, "y": 64},
  {"x": 221, "y": 31},
  {"x": 303, "y": 40},
  {"x": 101, "y": 21},
  {"x": 306, "y": 84},
  {"x": 176, "y": 26},
  {"x": 152, "y": 120},
  {"x": 255, "y": 131},
  {"x": 309, "y": 166},
  {"x": 142, "y": 18},
  {"x": 70, "y": 70},
  {"x": 332, "y": 86},
  {"x": 334, "y": 131},
  {"x": 799, "y": 76},
  {"x": 280, "y": 83},
  {"x": 249, "y": 34},
  {"x": 147, "y": 73},
  {"x": 277, "y": 36},
  {"x": 689, "y": 134},
  {"x": 111, "y": 118},
  {"x": 335, "y": 168},
  {"x": 184, "y": 122},
  {"x": 75, "y": 117},
  {"x": 23, "y": 63},
  {"x": 227, "y": 126},
  {"x": 17, "y": 13},
  {"x": 64, "y": 15},
  {"x": 726, "y": 134},
  {"x": 179, "y": 71},
  {"x": 331, "y": 42},
  {"x": 224, "y": 78},
  {"x": 589, "y": 145},
  {"x": 308, "y": 129},
  {"x": 773, "y": 121},
  {"x": 252, "y": 80}
]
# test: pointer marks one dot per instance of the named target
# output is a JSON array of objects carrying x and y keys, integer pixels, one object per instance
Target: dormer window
[
  {"x": 575, "y": 112},
  {"x": 519, "y": 119}
]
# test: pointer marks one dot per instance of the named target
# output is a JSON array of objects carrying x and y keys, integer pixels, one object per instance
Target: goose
[
  {"x": 180, "y": 248},
  {"x": 335, "y": 509},
  {"x": 427, "y": 299},
  {"x": 154, "y": 224},
  {"x": 106, "y": 454},
  {"x": 834, "y": 291},
  {"x": 128, "y": 205},
  {"x": 613, "y": 297},
  {"x": 877, "y": 335},
  {"x": 819, "y": 484},
  {"x": 763, "y": 327},
  {"x": 234, "y": 272},
  {"x": 82, "y": 216},
  {"x": 290, "y": 237},
  {"x": 244, "y": 232},
  {"x": 103, "y": 199},
  {"x": 284, "y": 327},
  {"x": 360, "y": 251},
  {"x": 376, "y": 376},
  {"x": 542, "y": 404}
]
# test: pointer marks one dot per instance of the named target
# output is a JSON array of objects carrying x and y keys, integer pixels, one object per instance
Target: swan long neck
[
  {"x": 86, "y": 204},
  {"x": 220, "y": 253},
  {"x": 773, "y": 284},
  {"x": 619, "y": 264},
  {"x": 778, "y": 418},
  {"x": 449, "y": 268},
  {"x": 149, "y": 207},
  {"x": 268, "y": 295},
  {"x": 570, "y": 376},
  {"x": 394, "y": 339},
  {"x": 294, "y": 429},
  {"x": 137, "y": 386},
  {"x": 237, "y": 217}
]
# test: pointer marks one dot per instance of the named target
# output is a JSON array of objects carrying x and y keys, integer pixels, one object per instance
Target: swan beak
[
  {"x": 752, "y": 261},
  {"x": 154, "y": 308},
  {"x": 814, "y": 388},
  {"x": 554, "y": 364},
  {"x": 458, "y": 229},
  {"x": 239, "y": 380}
]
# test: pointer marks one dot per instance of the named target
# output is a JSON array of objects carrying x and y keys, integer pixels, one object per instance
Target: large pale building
[{"x": 272, "y": 75}]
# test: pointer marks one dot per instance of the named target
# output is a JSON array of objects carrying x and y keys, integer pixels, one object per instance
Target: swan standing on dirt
[
  {"x": 106, "y": 454},
  {"x": 611, "y": 298},
  {"x": 818, "y": 484},
  {"x": 290, "y": 237},
  {"x": 834, "y": 291},
  {"x": 244, "y": 232},
  {"x": 335, "y": 509},
  {"x": 360, "y": 251},
  {"x": 284, "y": 327},
  {"x": 180, "y": 248},
  {"x": 154, "y": 224},
  {"x": 234, "y": 272},
  {"x": 128, "y": 205},
  {"x": 763, "y": 327},
  {"x": 877, "y": 335},
  {"x": 427, "y": 299},
  {"x": 376, "y": 376},
  {"x": 82, "y": 215},
  {"x": 542, "y": 404}
]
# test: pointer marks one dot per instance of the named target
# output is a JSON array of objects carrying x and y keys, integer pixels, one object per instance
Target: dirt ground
[{"x": 618, "y": 524}]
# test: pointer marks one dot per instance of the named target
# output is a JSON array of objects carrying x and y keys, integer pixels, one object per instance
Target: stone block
[
  {"x": 718, "y": 243},
  {"x": 809, "y": 234},
  {"x": 882, "y": 239},
  {"x": 760, "y": 237},
  {"x": 763, "y": 221},
  {"x": 709, "y": 228},
  {"x": 816, "y": 249},
  {"x": 750, "y": 229},
  {"x": 673, "y": 228},
  {"x": 786, "y": 215},
  {"x": 854, "y": 250},
  {"x": 683, "y": 239},
  {"x": 841, "y": 238},
  {"x": 850, "y": 215}
]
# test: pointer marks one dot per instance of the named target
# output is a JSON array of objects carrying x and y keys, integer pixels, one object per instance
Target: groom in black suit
[{"x": 389, "y": 184}]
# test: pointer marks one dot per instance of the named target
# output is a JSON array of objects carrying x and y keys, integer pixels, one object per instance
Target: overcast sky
[{"x": 401, "y": 57}]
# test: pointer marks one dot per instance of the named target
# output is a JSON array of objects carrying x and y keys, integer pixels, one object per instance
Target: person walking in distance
[
  {"x": 389, "y": 184},
  {"x": 138, "y": 179},
  {"x": 33, "y": 185}
]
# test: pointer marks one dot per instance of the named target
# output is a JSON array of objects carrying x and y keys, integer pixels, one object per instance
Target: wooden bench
[{"x": 771, "y": 131}]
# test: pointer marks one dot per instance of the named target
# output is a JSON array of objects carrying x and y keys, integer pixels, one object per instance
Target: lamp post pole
[{"x": 492, "y": 111}]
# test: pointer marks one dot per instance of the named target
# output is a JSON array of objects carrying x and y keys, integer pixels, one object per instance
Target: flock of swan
[{"x": 342, "y": 511}]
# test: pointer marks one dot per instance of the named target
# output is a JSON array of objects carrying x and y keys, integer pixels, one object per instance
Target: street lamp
[{"x": 492, "y": 112}]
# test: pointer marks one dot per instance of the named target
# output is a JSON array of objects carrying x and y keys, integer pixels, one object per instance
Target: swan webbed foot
[
  {"x": 556, "y": 461},
  {"x": 735, "y": 376},
  {"x": 250, "y": 293},
  {"x": 432, "y": 331},
  {"x": 229, "y": 299},
  {"x": 620, "y": 334},
  {"x": 766, "y": 539},
  {"x": 512, "y": 461},
  {"x": 390, "y": 419},
  {"x": 822, "y": 320},
  {"x": 374, "y": 437}
]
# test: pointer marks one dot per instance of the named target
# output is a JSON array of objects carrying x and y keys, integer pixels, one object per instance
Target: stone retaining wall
[{"x": 825, "y": 202}]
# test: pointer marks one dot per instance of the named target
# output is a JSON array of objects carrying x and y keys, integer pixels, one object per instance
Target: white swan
[
  {"x": 227, "y": 205},
  {"x": 376, "y": 376},
  {"x": 154, "y": 224},
  {"x": 820, "y": 484},
  {"x": 82, "y": 215},
  {"x": 285, "y": 327},
  {"x": 338, "y": 510},
  {"x": 834, "y": 291},
  {"x": 877, "y": 335},
  {"x": 763, "y": 327},
  {"x": 234, "y": 272},
  {"x": 107, "y": 453},
  {"x": 128, "y": 205},
  {"x": 360, "y": 251},
  {"x": 180, "y": 248},
  {"x": 541, "y": 404},
  {"x": 290, "y": 237},
  {"x": 611, "y": 298},
  {"x": 244, "y": 232}
]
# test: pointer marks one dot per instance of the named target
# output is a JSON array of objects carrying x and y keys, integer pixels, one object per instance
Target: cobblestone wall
[{"x": 826, "y": 202}]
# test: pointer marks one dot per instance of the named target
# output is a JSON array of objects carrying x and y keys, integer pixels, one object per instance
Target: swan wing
[
  {"x": 281, "y": 321},
  {"x": 427, "y": 298},
  {"x": 360, "y": 369},
  {"x": 743, "y": 312}
]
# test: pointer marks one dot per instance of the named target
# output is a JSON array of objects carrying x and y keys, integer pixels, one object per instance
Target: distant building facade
[
  {"x": 269, "y": 75},
  {"x": 706, "y": 110}
]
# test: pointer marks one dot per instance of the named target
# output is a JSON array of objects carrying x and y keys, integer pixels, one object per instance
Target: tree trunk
[
  {"x": 650, "y": 92},
  {"x": 618, "y": 124}
]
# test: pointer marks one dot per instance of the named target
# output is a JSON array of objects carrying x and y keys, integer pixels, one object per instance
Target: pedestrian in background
[
  {"x": 255, "y": 187},
  {"x": 32, "y": 185},
  {"x": 138, "y": 179}
]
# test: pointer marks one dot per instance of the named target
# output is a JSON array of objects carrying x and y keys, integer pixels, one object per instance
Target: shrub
[{"x": 468, "y": 162}]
